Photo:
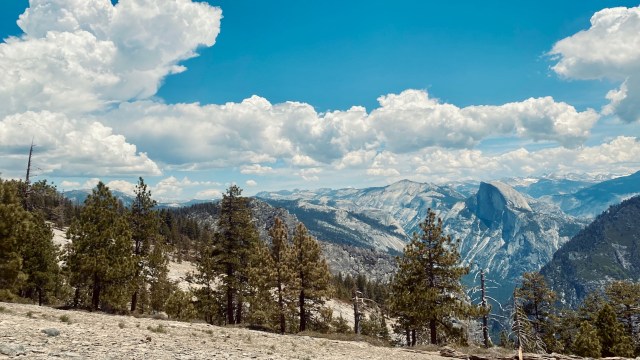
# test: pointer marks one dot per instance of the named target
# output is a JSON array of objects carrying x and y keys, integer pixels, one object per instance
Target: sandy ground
[{"x": 99, "y": 336}]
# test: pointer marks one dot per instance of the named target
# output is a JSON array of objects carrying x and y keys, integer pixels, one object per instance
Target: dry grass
[{"x": 347, "y": 337}]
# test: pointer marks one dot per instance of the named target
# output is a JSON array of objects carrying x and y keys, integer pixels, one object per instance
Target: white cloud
[
  {"x": 412, "y": 120},
  {"x": 310, "y": 174},
  {"x": 171, "y": 188},
  {"x": 91, "y": 183},
  {"x": 67, "y": 185},
  {"x": 81, "y": 55},
  {"x": 620, "y": 155},
  {"x": 255, "y": 131},
  {"x": 256, "y": 169},
  {"x": 303, "y": 161},
  {"x": 69, "y": 147},
  {"x": 208, "y": 194},
  {"x": 122, "y": 185},
  {"x": 609, "y": 49},
  {"x": 251, "y": 183}
]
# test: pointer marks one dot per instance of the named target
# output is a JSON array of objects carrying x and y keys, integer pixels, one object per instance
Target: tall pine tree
[
  {"x": 148, "y": 250},
  {"x": 312, "y": 274},
  {"x": 13, "y": 224},
  {"x": 282, "y": 270},
  {"x": 232, "y": 255},
  {"x": 427, "y": 285},
  {"x": 99, "y": 256}
]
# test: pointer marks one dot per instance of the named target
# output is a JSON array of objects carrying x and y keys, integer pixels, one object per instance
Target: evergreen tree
[
  {"x": 537, "y": 303},
  {"x": 39, "y": 261},
  {"x": 427, "y": 289},
  {"x": 612, "y": 335},
  {"x": 232, "y": 254},
  {"x": 99, "y": 256},
  {"x": 312, "y": 274},
  {"x": 147, "y": 242},
  {"x": 624, "y": 296},
  {"x": 28, "y": 257},
  {"x": 13, "y": 224},
  {"x": 281, "y": 270},
  {"x": 587, "y": 342}
]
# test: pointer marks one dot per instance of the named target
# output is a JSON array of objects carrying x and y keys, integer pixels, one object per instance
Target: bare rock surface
[{"x": 85, "y": 335}]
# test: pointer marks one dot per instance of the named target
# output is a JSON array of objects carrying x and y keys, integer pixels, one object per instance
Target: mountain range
[{"x": 505, "y": 227}]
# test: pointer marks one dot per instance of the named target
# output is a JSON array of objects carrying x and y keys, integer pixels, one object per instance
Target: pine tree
[
  {"x": 281, "y": 259},
  {"x": 13, "y": 223},
  {"x": 537, "y": 303},
  {"x": 624, "y": 296},
  {"x": 427, "y": 288},
  {"x": 231, "y": 256},
  {"x": 312, "y": 274},
  {"x": 99, "y": 256},
  {"x": 263, "y": 309},
  {"x": 39, "y": 261},
  {"x": 612, "y": 335},
  {"x": 145, "y": 222},
  {"x": 587, "y": 342}
]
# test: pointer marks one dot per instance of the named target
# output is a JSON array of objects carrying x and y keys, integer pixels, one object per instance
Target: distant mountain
[
  {"x": 500, "y": 229},
  {"x": 341, "y": 256},
  {"x": 592, "y": 200},
  {"x": 506, "y": 233},
  {"x": 552, "y": 187},
  {"x": 79, "y": 196},
  {"x": 606, "y": 250}
]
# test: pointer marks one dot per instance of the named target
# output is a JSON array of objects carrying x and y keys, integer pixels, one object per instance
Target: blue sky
[{"x": 290, "y": 94}]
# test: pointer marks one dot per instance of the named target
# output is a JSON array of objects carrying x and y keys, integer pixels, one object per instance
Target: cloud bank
[{"x": 82, "y": 77}]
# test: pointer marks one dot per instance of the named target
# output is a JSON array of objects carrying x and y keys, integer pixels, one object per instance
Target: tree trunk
[
  {"x": 414, "y": 338},
  {"x": 283, "y": 324},
  {"x": 230, "y": 319},
  {"x": 356, "y": 313},
  {"x": 40, "y": 297},
  {"x": 134, "y": 300},
  {"x": 485, "y": 328},
  {"x": 432, "y": 330},
  {"x": 408, "y": 335},
  {"x": 303, "y": 317},
  {"x": 76, "y": 297},
  {"x": 95, "y": 297},
  {"x": 239, "y": 310}
]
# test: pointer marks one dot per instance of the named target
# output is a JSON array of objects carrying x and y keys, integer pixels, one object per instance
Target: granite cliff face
[
  {"x": 503, "y": 232},
  {"x": 608, "y": 249},
  {"x": 500, "y": 229}
]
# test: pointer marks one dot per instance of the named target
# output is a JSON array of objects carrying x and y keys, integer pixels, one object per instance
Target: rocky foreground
[{"x": 29, "y": 332}]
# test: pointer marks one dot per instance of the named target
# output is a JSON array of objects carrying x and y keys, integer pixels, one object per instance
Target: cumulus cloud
[
  {"x": 122, "y": 186},
  {"x": 310, "y": 174},
  {"x": 171, "y": 188},
  {"x": 208, "y": 194},
  {"x": 609, "y": 49},
  {"x": 412, "y": 120},
  {"x": 255, "y": 131},
  {"x": 77, "y": 56},
  {"x": 70, "y": 147},
  {"x": 256, "y": 169},
  {"x": 66, "y": 185},
  {"x": 251, "y": 183},
  {"x": 618, "y": 156}
]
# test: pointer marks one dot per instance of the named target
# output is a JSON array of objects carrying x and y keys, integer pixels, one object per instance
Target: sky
[{"x": 194, "y": 96}]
